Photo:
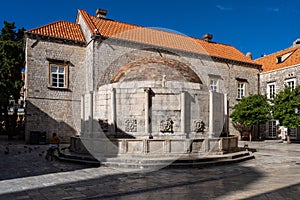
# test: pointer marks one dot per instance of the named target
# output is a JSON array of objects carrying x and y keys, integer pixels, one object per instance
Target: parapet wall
[{"x": 103, "y": 148}]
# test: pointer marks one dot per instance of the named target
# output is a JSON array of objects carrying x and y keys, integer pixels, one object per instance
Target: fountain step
[
  {"x": 145, "y": 161},
  {"x": 68, "y": 156},
  {"x": 129, "y": 162}
]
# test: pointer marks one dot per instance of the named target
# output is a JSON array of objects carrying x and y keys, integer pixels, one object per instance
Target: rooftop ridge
[
  {"x": 60, "y": 29},
  {"x": 282, "y": 51},
  {"x": 163, "y": 30},
  {"x": 43, "y": 26},
  {"x": 87, "y": 19},
  {"x": 157, "y": 29},
  {"x": 108, "y": 28},
  {"x": 273, "y": 61}
]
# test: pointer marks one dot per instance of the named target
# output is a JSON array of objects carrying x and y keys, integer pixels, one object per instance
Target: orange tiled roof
[
  {"x": 110, "y": 28},
  {"x": 60, "y": 29},
  {"x": 114, "y": 29},
  {"x": 269, "y": 62}
]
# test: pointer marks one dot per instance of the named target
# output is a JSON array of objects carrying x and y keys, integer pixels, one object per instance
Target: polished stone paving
[{"x": 273, "y": 174}]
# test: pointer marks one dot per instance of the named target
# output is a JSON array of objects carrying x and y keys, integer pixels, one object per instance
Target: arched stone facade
[
  {"x": 154, "y": 68},
  {"x": 148, "y": 64}
]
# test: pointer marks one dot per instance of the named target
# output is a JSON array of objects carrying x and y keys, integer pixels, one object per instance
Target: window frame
[
  {"x": 272, "y": 129},
  {"x": 243, "y": 89},
  {"x": 271, "y": 95},
  {"x": 291, "y": 80},
  {"x": 215, "y": 85},
  {"x": 65, "y": 74}
]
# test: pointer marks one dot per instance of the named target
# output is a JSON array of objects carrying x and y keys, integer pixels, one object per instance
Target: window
[
  {"x": 293, "y": 133},
  {"x": 241, "y": 90},
  {"x": 214, "y": 85},
  {"x": 58, "y": 76},
  {"x": 214, "y": 82},
  {"x": 282, "y": 58},
  {"x": 241, "y": 87},
  {"x": 279, "y": 60},
  {"x": 272, "y": 129},
  {"x": 271, "y": 91},
  {"x": 291, "y": 83}
]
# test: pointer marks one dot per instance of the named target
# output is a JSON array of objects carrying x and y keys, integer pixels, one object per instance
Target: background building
[
  {"x": 280, "y": 69},
  {"x": 65, "y": 60}
]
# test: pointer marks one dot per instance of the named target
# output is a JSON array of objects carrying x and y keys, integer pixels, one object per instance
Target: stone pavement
[{"x": 273, "y": 174}]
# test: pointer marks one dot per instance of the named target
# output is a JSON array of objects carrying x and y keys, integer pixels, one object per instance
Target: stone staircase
[
  {"x": 82, "y": 158},
  {"x": 143, "y": 162},
  {"x": 182, "y": 162}
]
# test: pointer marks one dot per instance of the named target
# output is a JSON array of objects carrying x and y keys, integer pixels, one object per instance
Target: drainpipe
[
  {"x": 258, "y": 82},
  {"x": 258, "y": 92},
  {"x": 228, "y": 99}
]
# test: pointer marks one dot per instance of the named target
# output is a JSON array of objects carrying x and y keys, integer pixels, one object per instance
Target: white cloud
[
  {"x": 273, "y": 9},
  {"x": 220, "y": 7}
]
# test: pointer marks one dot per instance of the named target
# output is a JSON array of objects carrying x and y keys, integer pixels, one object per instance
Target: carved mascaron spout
[{"x": 166, "y": 126}]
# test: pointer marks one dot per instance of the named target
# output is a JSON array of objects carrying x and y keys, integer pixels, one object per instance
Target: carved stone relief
[
  {"x": 103, "y": 124},
  {"x": 166, "y": 126},
  {"x": 199, "y": 126},
  {"x": 131, "y": 125}
]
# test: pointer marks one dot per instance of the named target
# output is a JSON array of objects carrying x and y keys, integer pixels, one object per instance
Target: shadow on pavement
[
  {"x": 20, "y": 160},
  {"x": 163, "y": 184},
  {"x": 290, "y": 192}
]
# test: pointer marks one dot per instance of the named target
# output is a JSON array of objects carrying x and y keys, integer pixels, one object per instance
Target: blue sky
[{"x": 260, "y": 27}]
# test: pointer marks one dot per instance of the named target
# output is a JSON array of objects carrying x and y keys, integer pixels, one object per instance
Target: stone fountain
[{"x": 154, "y": 120}]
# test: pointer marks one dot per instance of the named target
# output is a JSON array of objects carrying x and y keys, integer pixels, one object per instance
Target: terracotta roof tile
[
  {"x": 60, "y": 29},
  {"x": 269, "y": 62},
  {"x": 224, "y": 51},
  {"x": 109, "y": 28}
]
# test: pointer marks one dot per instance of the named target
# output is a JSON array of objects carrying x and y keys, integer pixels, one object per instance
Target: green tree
[
  {"x": 250, "y": 111},
  {"x": 12, "y": 59},
  {"x": 285, "y": 108}
]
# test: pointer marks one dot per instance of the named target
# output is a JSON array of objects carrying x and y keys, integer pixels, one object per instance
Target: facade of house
[
  {"x": 66, "y": 60},
  {"x": 280, "y": 69}
]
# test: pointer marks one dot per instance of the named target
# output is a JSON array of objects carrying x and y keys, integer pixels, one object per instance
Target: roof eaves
[
  {"x": 250, "y": 64},
  {"x": 58, "y": 39}
]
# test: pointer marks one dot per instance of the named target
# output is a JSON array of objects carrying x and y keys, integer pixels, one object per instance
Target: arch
[{"x": 154, "y": 68}]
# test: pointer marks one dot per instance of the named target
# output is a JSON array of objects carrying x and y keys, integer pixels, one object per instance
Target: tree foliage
[
  {"x": 11, "y": 62},
  {"x": 286, "y": 103},
  {"x": 251, "y": 110}
]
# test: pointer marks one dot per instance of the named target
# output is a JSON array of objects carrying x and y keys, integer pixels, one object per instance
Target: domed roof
[{"x": 153, "y": 69}]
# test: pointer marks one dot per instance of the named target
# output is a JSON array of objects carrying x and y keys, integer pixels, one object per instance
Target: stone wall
[
  {"x": 181, "y": 100},
  {"x": 100, "y": 62},
  {"x": 47, "y": 109},
  {"x": 111, "y": 57},
  {"x": 279, "y": 78},
  {"x": 104, "y": 149}
]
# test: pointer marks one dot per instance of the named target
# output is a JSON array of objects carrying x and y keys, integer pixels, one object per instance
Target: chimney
[
  {"x": 208, "y": 37},
  {"x": 101, "y": 13},
  {"x": 296, "y": 42},
  {"x": 249, "y": 55}
]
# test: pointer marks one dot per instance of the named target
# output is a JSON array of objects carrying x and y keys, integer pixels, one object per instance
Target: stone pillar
[
  {"x": 91, "y": 114},
  {"x": 82, "y": 114},
  {"x": 183, "y": 113},
  {"x": 226, "y": 117},
  {"x": 147, "y": 109},
  {"x": 113, "y": 121},
  {"x": 211, "y": 114}
]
